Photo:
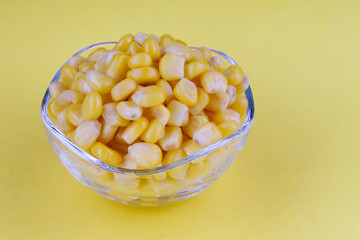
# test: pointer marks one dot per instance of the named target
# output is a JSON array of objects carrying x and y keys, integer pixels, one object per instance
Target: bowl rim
[{"x": 249, "y": 118}]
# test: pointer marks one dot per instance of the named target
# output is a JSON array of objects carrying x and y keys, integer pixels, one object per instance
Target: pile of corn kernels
[{"x": 147, "y": 102}]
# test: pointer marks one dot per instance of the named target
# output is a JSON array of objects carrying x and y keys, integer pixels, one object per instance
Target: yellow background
[{"x": 299, "y": 174}]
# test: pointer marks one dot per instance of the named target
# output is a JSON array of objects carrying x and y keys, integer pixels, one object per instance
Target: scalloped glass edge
[{"x": 249, "y": 118}]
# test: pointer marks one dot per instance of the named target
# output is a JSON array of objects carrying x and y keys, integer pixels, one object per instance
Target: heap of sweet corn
[{"x": 148, "y": 101}]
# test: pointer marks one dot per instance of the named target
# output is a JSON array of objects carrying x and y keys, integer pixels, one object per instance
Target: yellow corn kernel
[
  {"x": 73, "y": 114},
  {"x": 197, "y": 171},
  {"x": 118, "y": 66},
  {"x": 228, "y": 127},
  {"x": 231, "y": 91},
  {"x": 195, "y": 69},
  {"x": 153, "y": 132},
  {"x": 112, "y": 117},
  {"x": 144, "y": 75},
  {"x": 179, "y": 50},
  {"x": 243, "y": 85},
  {"x": 203, "y": 114},
  {"x": 207, "y": 134},
  {"x": 195, "y": 122},
  {"x": 234, "y": 74},
  {"x": 134, "y": 130},
  {"x": 203, "y": 100},
  {"x": 151, "y": 47},
  {"x": 218, "y": 102},
  {"x": 134, "y": 47},
  {"x": 146, "y": 155},
  {"x": 99, "y": 82},
  {"x": 123, "y": 89},
  {"x": 149, "y": 96},
  {"x": 87, "y": 133},
  {"x": 178, "y": 172},
  {"x": 100, "y": 66},
  {"x": 140, "y": 37},
  {"x": 161, "y": 113},
  {"x": 196, "y": 56},
  {"x": 240, "y": 105},
  {"x": 62, "y": 123},
  {"x": 106, "y": 154},
  {"x": 191, "y": 147},
  {"x": 128, "y": 163},
  {"x": 185, "y": 91},
  {"x": 166, "y": 86},
  {"x": 217, "y": 63},
  {"x": 64, "y": 99},
  {"x": 110, "y": 56},
  {"x": 172, "y": 138},
  {"x": 81, "y": 85},
  {"x": 171, "y": 67},
  {"x": 206, "y": 53},
  {"x": 129, "y": 110},
  {"x": 166, "y": 39},
  {"x": 70, "y": 135},
  {"x": 107, "y": 132},
  {"x": 92, "y": 106},
  {"x": 76, "y": 61},
  {"x": 118, "y": 138},
  {"x": 217, "y": 157},
  {"x": 67, "y": 75},
  {"x": 98, "y": 54},
  {"x": 179, "y": 113},
  {"x": 124, "y": 42},
  {"x": 213, "y": 81},
  {"x": 86, "y": 66},
  {"x": 56, "y": 88},
  {"x": 224, "y": 116},
  {"x": 138, "y": 60},
  {"x": 96, "y": 174},
  {"x": 77, "y": 76}
]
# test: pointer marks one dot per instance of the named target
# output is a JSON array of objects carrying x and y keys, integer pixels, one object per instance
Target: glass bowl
[{"x": 151, "y": 187}]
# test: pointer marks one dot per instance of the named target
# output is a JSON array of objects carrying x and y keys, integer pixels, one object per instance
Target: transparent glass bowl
[{"x": 151, "y": 187}]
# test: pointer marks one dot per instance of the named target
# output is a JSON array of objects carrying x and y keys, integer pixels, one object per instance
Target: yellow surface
[{"x": 299, "y": 173}]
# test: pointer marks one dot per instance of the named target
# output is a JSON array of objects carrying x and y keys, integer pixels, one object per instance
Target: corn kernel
[
  {"x": 185, "y": 91},
  {"x": 98, "y": 54},
  {"x": 64, "y": 99},
  {"x": 171, "y": 67},
  {"x": 106, "y": 154},
  {"x": 56, "y": 88},
  {"x": 151, "y": 47},
  {"x": 213, "y": 82},
  {"x": 178, "y": 172},
  {"x": 123, "y": 89},
  {"x": 179, "y": 49},
  {"x": 134, "y": 47},
  {"x": 96, "y": 174},
  {"x": 228, "y": 127},
  {"x": 124, "y": 42},
  {"x": 81, "y": 85},
  {"x": 207, "y": 134},
  {"x": 153, "y": 132},
  {"x": 134, "y": 130},
  {"x": 166, "y": 86},
  {"x": 234, "y": 75},
  {"x": 129, "y": 110},
  {"x": 149, "y": 96},
  {"x": 240, "y": 105},
  {"x": 86, "y": 66},
  {"x": 112, "y": 117},
  {"x": 87, "y": 133},
  {"x": 107, "y": 132},
  {"x": 217, "y": 157},
  {"x": 118, "y": 138},
  {"x": 179, "y": 113},
  {"x": 203, "y": 114},
  {"x": 172, "y": 138},
  {"x": 166, "y": 39},
  {"x": 195, "y": 122},
  {"x": 217, "y": 63},
  {"x": 140, "y": 37},
  {"x": 197, "y": 171},
  {"x": 100, "y": 66},
  {"x": 118, "y": 66},
  {"x": 218, "y": 102},
  {"x": 224, "y": 116},
  {"x": 110, "y": 56},
  {"x": 161, "y": 113},
  {"x": 67, "y": 75},
  {"x": 231, "y": 91},
  {"x": 144, "y": 75},
  {"x": 191, "y": 147},
  {"x": 99, "y": 82},
  {"x": 73, "y": 114},
  {"x": 92, "y": 106},
  {"x": 139, "y": 60},
  {"x": 76, "y": 61},
  {"x": 146, "y": 155},
  {"x": 128, "y": 163},
  {"x": 62, "y": 123},
  {"x": 243, "y": 85},
  {"x": 195, "y": 69},
  {"x": 206, "y": 53},
  {"x": 203, "y": 100}
]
